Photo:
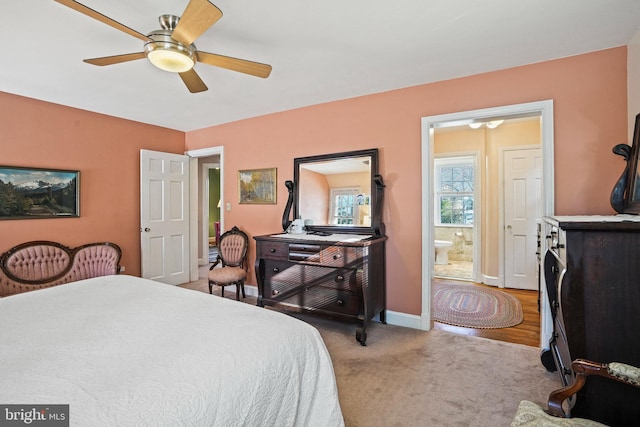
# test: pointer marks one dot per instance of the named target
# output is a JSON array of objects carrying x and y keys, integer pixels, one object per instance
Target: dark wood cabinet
[
  {"x": 592, "y": 278},
  {"x": 341, "y": 279}
]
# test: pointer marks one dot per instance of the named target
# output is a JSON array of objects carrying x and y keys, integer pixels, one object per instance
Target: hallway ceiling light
[{"x": 492, "y": 124}]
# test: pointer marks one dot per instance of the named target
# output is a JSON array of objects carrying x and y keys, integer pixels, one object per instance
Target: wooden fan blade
[
  {"x": 234, "y": 64},
  {"x": 102, "y": 18},
  {"x": 115, "y": 59},
  {"x": 198, "y": 16},
  {"x": 193, "y": 81}
]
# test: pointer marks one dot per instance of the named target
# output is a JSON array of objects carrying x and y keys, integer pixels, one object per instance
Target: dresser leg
[{"x": 361, "y": 335}]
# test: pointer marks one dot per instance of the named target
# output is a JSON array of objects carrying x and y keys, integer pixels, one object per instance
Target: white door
[
  {"x": 164, "y": 216},
  {"x": 522, "y": 208}
]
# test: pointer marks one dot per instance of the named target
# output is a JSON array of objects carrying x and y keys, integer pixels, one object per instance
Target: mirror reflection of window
[{"x": 344, "y": 207}]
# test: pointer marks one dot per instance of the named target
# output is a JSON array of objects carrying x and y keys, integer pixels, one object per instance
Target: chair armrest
[
  {"x": 583, "y": 368},
  {"x": 216, "y": 262}
]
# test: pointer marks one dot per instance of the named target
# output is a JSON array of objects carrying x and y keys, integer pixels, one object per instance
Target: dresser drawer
[
  {"x": 273, "y": 250},
  {"x": 330, "y": 300},
  {"x": 338, "y": 256}
]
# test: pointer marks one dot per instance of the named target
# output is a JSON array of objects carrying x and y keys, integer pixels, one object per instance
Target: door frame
[
  {"x": 429, "y": 123},
  {"x": 193, "y": 204}
]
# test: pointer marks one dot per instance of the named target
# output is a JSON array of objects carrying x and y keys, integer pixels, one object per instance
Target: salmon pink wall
[
  {"x": 590, "y": 117},
  {"x": 106, "y": 152}
]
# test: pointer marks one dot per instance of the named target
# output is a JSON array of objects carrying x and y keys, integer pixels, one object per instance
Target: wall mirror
[{"x": 338, "y": 193}]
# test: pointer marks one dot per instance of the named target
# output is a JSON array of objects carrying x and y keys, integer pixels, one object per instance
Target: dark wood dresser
[
  {"x": 335, "y": 276},
  {"x": 592, "y": 277}
]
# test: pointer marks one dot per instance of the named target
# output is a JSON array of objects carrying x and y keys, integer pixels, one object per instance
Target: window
[
  {"x": 344, "y": 209},
  {"x": 454, "y": 191}
]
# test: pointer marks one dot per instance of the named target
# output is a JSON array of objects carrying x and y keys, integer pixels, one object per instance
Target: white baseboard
[{"x": 403, "y": 319}]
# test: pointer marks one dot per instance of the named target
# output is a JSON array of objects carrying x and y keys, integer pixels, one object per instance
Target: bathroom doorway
[
  {"x": 469, "y": 177},
  {"x": 491, "y": 215}
]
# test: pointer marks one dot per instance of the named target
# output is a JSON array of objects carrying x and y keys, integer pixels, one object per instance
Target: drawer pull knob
[
  {"x": 276, "y": 270},
  {"x": 339, "y": 278},
  {"x": 275, "y": 292},
  {"x": 337, "y": 256},
  {"x": 272, "y": 250},
  {"x": 340, "y": 302}
]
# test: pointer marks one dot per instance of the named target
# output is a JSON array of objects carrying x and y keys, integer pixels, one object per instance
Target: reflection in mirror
[{"x": 336, "y": 192}]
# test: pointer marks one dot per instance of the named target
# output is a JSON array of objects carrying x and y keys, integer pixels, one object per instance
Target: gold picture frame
[{"x": 257, "y": 186}]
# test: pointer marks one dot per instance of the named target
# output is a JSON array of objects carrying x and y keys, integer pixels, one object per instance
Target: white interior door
[
  {"x": 164, "y": 216},
  {"x": 522, "y": 208}
]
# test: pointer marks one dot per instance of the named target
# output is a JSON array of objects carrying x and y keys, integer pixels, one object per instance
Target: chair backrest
[{"x": 232, "y": 248}]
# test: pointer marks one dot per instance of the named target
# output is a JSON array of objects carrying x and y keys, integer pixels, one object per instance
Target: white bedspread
[{"x": 126, "y": 351}]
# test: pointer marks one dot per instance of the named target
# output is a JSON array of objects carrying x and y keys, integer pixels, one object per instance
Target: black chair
[{"x": 232, "y": 256}]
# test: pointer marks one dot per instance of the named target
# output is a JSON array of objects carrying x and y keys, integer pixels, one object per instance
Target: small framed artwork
[
  {"x": 257, "y": 186},
  {"x": 34, "y": 193}
]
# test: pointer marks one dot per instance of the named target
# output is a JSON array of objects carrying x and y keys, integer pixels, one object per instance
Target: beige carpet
[{"x": 406, "y": 377}]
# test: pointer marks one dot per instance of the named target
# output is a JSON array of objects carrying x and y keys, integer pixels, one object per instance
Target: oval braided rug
[{"x": 475, "y": 307}]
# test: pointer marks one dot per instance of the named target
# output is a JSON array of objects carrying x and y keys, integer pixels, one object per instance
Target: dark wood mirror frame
[
  {"x": 376, "y": 197},
  {"x": 625, "y": 197}
]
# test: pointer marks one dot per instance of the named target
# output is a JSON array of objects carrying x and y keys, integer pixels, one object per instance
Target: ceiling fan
[{"x": 171, "y": 48}]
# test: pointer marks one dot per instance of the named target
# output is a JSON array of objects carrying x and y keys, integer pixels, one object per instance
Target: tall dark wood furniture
[
  {"x": 343, "y": 280},
  {"x": 337, "y": 266},
  {"x": 592, "y": 277}
]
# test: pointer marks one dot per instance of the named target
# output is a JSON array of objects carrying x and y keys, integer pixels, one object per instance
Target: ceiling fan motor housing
[{"x": 166, "y": 53}]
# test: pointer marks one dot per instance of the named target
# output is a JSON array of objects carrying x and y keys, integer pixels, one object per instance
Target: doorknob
[
  {"x": 509, "y": 227},
  {"x": 146, "y": 229}
]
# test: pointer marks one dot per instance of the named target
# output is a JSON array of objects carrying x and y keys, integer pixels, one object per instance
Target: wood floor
[{"x": 527, "y": 332}]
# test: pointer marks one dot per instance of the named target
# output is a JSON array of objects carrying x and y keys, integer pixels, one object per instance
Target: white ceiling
[{"x": 320, "y": 51}]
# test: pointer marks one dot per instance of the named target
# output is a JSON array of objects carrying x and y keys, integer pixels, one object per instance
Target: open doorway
[
  {"x": 203, "y": 204},
  {"x": 211, "y": 206},
  {"x": 543, "y": 110}
]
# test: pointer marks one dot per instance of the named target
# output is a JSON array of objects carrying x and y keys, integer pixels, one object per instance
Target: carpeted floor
[{"x": 406, "y": 377}]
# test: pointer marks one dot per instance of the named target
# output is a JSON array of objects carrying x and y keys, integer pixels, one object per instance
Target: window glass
[{"x": 454, "y": 192}]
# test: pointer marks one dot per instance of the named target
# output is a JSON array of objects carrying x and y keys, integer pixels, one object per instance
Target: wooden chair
[
  {"x": 232, "y": 256},
  {"x": 529, "y": 414}
]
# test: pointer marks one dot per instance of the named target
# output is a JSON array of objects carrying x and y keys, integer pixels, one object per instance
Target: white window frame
[
  {"x": 441, "y": 162},
  {"x": 332, "y": 206}
]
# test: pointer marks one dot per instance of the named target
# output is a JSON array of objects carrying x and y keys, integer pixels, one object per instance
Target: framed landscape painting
[
  {"x": 34, "y": 193},
  {"x": 257, "y": 186}
]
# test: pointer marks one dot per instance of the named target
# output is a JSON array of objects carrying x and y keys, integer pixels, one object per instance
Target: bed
[{"x": 121, "y": 351}]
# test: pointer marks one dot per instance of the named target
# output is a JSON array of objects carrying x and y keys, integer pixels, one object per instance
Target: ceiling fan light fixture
[{"x": 168, "y": 54}]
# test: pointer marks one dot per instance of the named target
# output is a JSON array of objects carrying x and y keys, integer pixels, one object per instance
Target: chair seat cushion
[
  {"x": 227, "y": 275},
  {"x": 531, "y": 415}
]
